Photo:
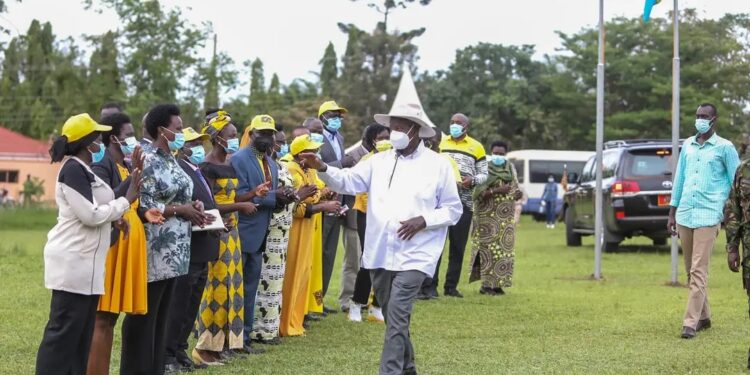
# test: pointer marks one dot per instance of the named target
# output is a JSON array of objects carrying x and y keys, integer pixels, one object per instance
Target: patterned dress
[
  {"x": 268, "y": 299},
  {"x": 494, "y": 238},
  {"x": 221, "y": 316}
]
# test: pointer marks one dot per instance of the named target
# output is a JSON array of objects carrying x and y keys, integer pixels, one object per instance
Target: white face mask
[{"x": 400, "y": 140}]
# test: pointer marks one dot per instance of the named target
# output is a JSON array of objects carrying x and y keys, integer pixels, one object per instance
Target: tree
[
  {"x": 387, "y": 6},
  {"x": 214, "y": 77},
  {"x": 328, "y": 71},
  {"x": 104, "y": 81},
  {"x": 257, "y": 98}
]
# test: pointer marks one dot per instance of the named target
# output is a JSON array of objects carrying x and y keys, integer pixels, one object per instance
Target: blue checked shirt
[{"x": 703, "y": 180}]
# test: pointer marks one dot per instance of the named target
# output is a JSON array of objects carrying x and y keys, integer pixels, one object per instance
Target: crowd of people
[{"x": 232, "y": 235}]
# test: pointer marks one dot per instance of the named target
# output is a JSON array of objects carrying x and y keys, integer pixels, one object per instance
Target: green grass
[
  {"x": 27, "y": 218},
  {"x": 554, "y": 320}
]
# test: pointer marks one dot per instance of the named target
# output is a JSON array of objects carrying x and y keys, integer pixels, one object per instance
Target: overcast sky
[{"x": 290, "y": 35}]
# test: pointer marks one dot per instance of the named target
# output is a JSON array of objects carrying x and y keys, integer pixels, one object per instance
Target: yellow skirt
[
  {"x": 315, "y": 287},
  {"x": 126, "y": 277}
]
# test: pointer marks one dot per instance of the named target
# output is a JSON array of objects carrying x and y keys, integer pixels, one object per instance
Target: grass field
[{"x": 554, "y": 320}]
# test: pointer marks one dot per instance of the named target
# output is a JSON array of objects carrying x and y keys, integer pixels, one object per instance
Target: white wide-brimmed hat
[{"x": 412, "y": 112}]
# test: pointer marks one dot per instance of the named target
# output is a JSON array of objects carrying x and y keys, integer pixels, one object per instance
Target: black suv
[{"x": 637, "y": 187}]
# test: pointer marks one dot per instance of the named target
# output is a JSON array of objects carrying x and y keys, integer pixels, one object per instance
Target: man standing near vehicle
[{"x": 705, "y": 172}]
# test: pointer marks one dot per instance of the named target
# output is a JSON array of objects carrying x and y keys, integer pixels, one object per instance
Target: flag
[
  {"x": 564, "y": 179},
  {"x": 647, "y": 9}
]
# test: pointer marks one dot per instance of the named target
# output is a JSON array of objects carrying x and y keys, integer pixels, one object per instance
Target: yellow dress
[
  {"x": 299, "y": 257},
  {"x": 126, "y": 278},
  {"x": 315, "y": 287},
  {"x": 221, "y": 316}
]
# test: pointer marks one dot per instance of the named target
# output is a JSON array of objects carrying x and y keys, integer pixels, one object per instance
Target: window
[
  {"x": 588, "y": 171},
  {"x": 649, "y": 163},
  {"x": 539, "y": 170},
  {"x": 609, "y": 167},
  {"x": 519, "y": 164},
  {"x": 9, "y": 176}
]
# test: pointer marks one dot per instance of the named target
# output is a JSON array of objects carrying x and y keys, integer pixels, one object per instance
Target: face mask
[
  {"x": 263, "y": 144},
  {"x": 702, "y": 125},
  {"x": 179, "y": 141},
  {"x": 334, "y": 123},
  {"x": 233, "y": 145},
  {"x": 400, "y": 140},
  {"x": 99, "y": 155},
  {"x": 317, "y": 138},
  {"x": 129, "y": 145},
  {"x": 383, "y": 145},
  {"x": 498, "y": 160},
  {"x": 283, "y": 150},
  {"x": 197, "y": 155},
  {"x": 550, "y": 179},
  {"x": 456, "y": 130}
]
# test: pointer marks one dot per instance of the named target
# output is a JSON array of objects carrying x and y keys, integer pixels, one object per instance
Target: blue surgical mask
[
  {"x": 128, "y": 145},
  {"x": 317, "y": 138},
  {"x": 283, "y": 150},
  {"x": 99, "y": 155},
  {"x": 179, "y": 141},
  {"x": 334, "y": 124},
  {"x": 498, "y": 160},
  {"x": 233, "y": 145},
  {"x": 702, "y": 125},
  {"x": 197, "y": 155},
  {"x": 456, "y": 130}
]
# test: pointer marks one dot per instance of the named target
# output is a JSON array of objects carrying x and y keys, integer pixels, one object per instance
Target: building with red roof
[{"x": 22, "y": 158}]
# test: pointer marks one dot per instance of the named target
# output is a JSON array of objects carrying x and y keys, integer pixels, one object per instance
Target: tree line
[{"x": 508, "y": 91}]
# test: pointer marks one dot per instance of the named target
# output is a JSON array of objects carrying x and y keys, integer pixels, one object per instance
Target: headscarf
[
  {"x": 502, "y": 173},
  {"x": 216, "y": 123}
]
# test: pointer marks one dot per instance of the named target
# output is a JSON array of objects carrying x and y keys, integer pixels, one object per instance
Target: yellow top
[
  {"x": 360, "y": 200},
  {"x": 456, "y": 171}
]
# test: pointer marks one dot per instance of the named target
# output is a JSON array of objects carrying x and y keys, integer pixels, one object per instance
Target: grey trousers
[
  {"x": 396, "y": 291},
  {"x": 331, "y": 231},
  {"x": 350, "y": 266}
]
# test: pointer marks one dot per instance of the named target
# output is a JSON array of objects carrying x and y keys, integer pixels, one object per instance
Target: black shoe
[
  {"x": 344, "y": 308},
  {"x": 432, "y": 293},
  {"x": 748, "y": 359},
  {"x": 247, "y": 349},
  {"x": 422, "y": 297},
  {"x": 453, "y": 293},
  {"x": 487, "y": 291},
  {"x": 329, "y": 311},
  {"x": 227, "y": 355},
  {"x": 274, "y": 341},
  {"x": 313, "y": 318},
  {"x": 410, "y": 371},
  {"x": 184, "y": 360},
  {"x": 703, "y": 324},
  {"x": 688, "y": 333},
  {"x": 499, "y": 290}
]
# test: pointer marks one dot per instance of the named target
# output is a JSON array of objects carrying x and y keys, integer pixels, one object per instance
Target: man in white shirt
[{"x": 412, "y": 201}]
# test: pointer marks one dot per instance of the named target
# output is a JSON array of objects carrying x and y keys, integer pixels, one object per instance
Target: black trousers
[
  {"x": 188, "y": 291},
  {"x": 67, "y": 336},
  {"x": 458, "y": 237},
  {"x": 144, "y": 337},
  {"x": 331, "y": 231},
  {"x": 363, "y": 282}
]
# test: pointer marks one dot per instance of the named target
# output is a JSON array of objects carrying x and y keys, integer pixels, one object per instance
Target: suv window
[
  {"x": 648, "y": 163},
  {"x": 539, "y": 170},
  {"x": 588, "y": 171},
  {"x": 519, "y": 164},
  {"x": 609, "y": 166}
]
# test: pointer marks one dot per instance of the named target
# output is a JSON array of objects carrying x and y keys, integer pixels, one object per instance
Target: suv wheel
[
  {"x": 660, "y": 241},
  {"x": 611, "y": 247},
  {"x": 571, "y": 238}
]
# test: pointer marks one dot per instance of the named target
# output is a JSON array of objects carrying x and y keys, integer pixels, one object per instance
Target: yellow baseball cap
[
  {"x": 79, "y": 126},
  {"x": 302, "y": 143},
  {"x": 330, "y": 106},
  {"x": 191, "y": 135},
  {"x": 263, "y": 122}
]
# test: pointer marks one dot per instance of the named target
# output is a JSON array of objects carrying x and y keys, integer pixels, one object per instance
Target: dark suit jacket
[
  {"x": 106, "y": 169},
  {"x": 328, "y": 154},
  {"x": 253, "y": 228},
  {"x": 204, "y": 246}
]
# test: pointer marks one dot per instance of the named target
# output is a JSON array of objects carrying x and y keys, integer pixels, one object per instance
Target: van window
[
  {"x": 520, "y": 168},
  {"x": 539, "y": 170}
]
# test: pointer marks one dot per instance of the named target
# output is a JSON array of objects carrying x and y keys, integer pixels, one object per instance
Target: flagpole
[
  {"x": 598, "y": 229},
  {"x": 675, "y": 120}
]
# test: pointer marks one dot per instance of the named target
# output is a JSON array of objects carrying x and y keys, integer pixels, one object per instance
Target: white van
[{"x": 535, "y": 166}]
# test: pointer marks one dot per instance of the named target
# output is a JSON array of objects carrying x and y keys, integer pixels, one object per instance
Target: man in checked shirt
[
  {"x": 705, "y": 172},
  {"x": 469, "y": 154}
]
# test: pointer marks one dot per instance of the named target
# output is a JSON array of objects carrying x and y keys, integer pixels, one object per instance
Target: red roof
[{"x": 16, "y": 143}]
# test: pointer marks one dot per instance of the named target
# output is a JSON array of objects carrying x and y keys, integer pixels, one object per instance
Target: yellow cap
[
  {"x": 330, "y": 106},
  {"x": 263, "y": 122},
  {"x": 303, "y": 143},
  {"x": 79, "y": 126},
  {"x": 191, "y": 135}
]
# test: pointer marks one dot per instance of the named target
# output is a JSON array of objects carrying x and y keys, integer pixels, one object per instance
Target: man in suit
[
  {"x": 204, "y": 247},
  {"x": 254, "y": 167},
  {"x": 331, "y": 117}
]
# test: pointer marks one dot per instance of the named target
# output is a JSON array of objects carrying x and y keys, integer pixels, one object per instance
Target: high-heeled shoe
[{"x": 200, "y": 361}]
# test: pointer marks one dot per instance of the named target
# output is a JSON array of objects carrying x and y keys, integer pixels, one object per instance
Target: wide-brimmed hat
[
  {"x": 191, "y": 134},
  {"x": 412, "y": 112}
]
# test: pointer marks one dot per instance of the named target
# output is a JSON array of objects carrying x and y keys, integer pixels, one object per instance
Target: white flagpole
[
  {"x": 598, "y": 229},
  {"x": 675, "y": 119}
]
